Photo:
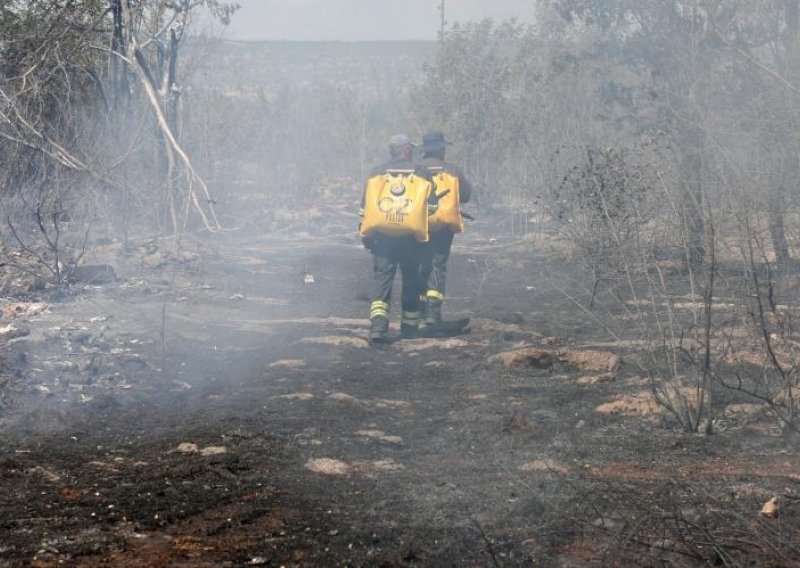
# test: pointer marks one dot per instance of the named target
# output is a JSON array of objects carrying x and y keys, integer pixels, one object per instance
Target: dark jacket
[
  {"x": 433, "y": 165},
  {"x": 394, "y": 164}
]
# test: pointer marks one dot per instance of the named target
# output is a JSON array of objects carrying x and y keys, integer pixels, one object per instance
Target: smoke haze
[{"x": 355, "y": 20}]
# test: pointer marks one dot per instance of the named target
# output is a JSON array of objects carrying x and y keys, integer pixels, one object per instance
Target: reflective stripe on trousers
[{"x": 379, "y": 308}]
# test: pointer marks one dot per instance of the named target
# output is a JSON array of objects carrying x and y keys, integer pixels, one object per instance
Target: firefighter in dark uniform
[
  {"x": 433, "y": 272},
  {"x": 390, "y": 252}
]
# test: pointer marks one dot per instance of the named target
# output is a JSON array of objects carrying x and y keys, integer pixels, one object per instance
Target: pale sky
[{"x": 363, "y": 19}]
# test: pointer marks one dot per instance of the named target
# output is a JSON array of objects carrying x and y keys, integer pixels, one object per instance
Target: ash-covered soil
[{"x": 222, "y": 407}]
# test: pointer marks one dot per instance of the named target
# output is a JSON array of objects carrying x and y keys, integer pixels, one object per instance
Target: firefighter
[
  {"x": 389, "y": 252},
  {"x": 458, "y": 190}
]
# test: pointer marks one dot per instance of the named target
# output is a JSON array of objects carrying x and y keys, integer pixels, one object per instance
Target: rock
[
  {"x": 422, "y": 344},
  {"x": 294, "y": 396},
  {"x": 597, "y": 361},
  {"x": 592, "y": 380},
  {"x": 643, "y": 404},
  {"x": 343, "y": 397},
  {"x": 287, "y": 363},
  {"x": 380, "y": 435},
  {"x": 327, "y": 466},
  {"x": 526, "y": 358},
  {"x": 536, "y": 357},
  {"x": 187, "y": 448},
  {"x": 545, "y": 464},
  {"x": 771, "y": 509},
  {"x": 377, "y": 466},
  {"x": 388, "y": 403},
  {"x": 192, "y": 448},
  {"x": 337, "y": 341}
]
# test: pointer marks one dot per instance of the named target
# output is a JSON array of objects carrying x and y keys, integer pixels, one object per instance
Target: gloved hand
[{"x": 432, "y": 208}]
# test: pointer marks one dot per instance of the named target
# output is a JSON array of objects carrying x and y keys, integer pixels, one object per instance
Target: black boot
[
  {"x": 433, "y": 311},
  {"x": 423, "y": 306},
  {"x": 409, "y": 331},
  {"x": 378, "y": 329},
  {"x": 450, "y": 328}
]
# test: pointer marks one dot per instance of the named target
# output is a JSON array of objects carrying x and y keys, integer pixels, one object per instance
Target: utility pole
[
  {"x": 441, "y": 25},
  {"x": 441, "y": 36}
]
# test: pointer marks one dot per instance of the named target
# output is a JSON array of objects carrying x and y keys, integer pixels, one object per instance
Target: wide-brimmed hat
[
  {"x": 399, "y": 140},
  {"x": 434, "y": 141}
]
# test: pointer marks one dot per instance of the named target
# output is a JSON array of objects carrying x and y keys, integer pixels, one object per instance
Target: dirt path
[{"x": 226, "y": 412}]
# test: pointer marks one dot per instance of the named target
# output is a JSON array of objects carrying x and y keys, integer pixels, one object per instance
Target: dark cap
[
  {"x": 433, "y": 142},
  {"x": 399, "y": 140}
]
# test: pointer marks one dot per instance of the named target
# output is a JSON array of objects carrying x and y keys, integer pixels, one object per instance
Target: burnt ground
[{"x": 215, "y": 409}]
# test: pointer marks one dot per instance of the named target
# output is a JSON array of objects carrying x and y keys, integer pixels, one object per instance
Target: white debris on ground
[
  {"x": 328, "y": 466},
  {"x": 374, "y": 403},
  {"x": 337, "y": 341},
  {"x": 294, "y": 396},
  {"x": 192, "y": 448},
  {"x": 771, "y": 509},
  {"x": 545, "y": 464},
  {"x": 287, "y": 363},
  {"x": 537, "y": 357},
  {"x": 380, "y": 435}
]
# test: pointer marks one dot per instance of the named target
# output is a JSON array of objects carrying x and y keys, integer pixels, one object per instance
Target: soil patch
[{"x": 224, "y": 409}]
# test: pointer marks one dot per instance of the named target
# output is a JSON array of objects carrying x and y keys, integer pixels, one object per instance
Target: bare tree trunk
[
  {"x": 119, "y": 70},
  {"x": 692, "y": 189},
  {"x": 777, "y": 228},
  {"x": 178, "y": 163},
  {"x": 788, "y": 164},
  {"x": 170, "y": 88}
]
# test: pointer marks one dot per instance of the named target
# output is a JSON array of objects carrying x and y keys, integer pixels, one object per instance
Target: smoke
[{"x": 361, "y": 20}]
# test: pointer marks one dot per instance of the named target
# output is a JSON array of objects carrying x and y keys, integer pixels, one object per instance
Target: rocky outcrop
[{"x": 538, "y": 358}]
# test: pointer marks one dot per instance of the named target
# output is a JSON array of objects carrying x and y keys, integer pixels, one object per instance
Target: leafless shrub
[
  {"x": 678, "y": 523},
  {"x": 606, "y": 203},
  {"x": 39, "y": 227},
  {"x": 619, "y": 222},
  {"x": 764, "y": 364},
  {"x": 71, "y": 113}
]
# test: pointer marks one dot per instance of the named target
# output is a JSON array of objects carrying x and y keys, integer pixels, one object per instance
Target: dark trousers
[
  {"x": 387, "y": 254},
  {"x": 433, "y": 272}
]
